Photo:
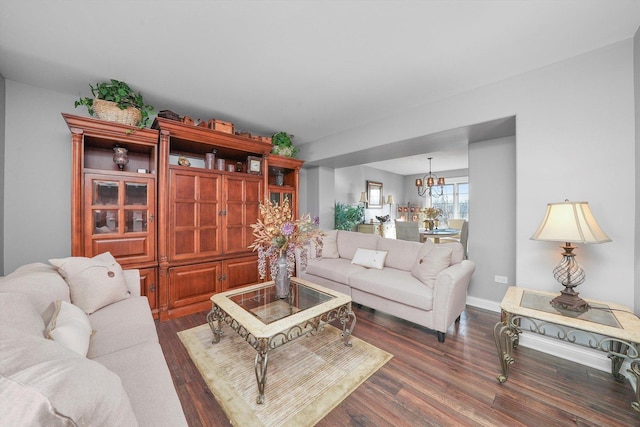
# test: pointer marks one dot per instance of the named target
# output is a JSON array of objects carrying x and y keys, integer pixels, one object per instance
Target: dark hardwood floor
[{"x": 428, "y": 383}]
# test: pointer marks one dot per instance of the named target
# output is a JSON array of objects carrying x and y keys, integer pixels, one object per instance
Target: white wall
[
  {"x": 37, "y": 199},
  {"x": 636, "y": 60},
  {"x": 492, "y": 216},
  {"x": 575, "y": 140},
  {"x": 2, "y": 138}
]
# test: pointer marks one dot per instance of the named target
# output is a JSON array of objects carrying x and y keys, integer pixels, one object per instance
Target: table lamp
[
  {"x": 569, "y": 222},
  {"x": 363, "y": 198}
]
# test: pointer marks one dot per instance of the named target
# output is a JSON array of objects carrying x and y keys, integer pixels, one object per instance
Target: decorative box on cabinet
[
  {"x": 111, "y": 209},
  {"x": 205, "y": 215}
]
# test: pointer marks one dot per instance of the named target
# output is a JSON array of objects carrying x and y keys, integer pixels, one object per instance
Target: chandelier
[{"x": 427, "y": 185}]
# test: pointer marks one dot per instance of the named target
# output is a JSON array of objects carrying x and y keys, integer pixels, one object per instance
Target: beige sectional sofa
[
  {"x": 425, "y": 283},
  {"x": 122, "y": 381}
]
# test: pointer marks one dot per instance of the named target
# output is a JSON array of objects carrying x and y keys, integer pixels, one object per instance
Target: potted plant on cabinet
[
  {"x": 115, "y": 101},
  {"x": 282, "y": 145}
]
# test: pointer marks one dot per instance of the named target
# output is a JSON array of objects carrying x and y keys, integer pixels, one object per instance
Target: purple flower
[
  {"x": 316, "y": 221},
  {"x": 288, "y": 228}
]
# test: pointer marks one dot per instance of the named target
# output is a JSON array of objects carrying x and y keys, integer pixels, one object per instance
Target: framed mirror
[{"x": 374, "y": 194}]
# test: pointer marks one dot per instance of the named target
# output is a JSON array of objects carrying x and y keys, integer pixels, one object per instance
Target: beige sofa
[
  {"x": 122, "y": 381},
  {"x": 425, "y": 283}
]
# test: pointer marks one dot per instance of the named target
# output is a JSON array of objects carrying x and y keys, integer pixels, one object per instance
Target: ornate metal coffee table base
[{"x": 263, "y": 345}]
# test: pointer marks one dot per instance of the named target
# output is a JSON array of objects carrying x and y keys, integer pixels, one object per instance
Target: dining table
[{"x": 437, "y": 233}]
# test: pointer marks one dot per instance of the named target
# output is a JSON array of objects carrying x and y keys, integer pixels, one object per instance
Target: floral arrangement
[
  {"x": 430, "y": 213},
  {"x": 278, "y": 234}
]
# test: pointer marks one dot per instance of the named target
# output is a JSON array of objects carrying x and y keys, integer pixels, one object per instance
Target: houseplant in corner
[
  {"x": 282, "y": 145},
  {"x": 115, "y": 101},
  {"x": 347, "y": 216}
]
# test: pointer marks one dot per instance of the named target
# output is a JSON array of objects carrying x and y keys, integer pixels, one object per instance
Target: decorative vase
[
  {"x": 279, "y": 178},
  {"x": 282, "y": 280},
  {"x": 120, "y": 157},
  {"x": 430, "y": 224}
]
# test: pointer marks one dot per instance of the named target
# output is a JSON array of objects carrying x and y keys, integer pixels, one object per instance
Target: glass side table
[{"x": 607, "y": 327}]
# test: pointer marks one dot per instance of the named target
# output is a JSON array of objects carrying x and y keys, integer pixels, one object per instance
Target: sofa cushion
[
  {"x": 337, "y": 270},
  {"x": 136, "y": 326},
  {"x": 431, "y": 260},
  {"x": 369, "y": 258},
  {"x": 151, "y": 390},
  {"x": 77, "y": 388},
  {"x": 70, "y": 327},
  {"x": 94, "y": 282},
  {"x": 457, "y": 251},
  {"x": 350, "y": 241},
  {"x": 394, "y": 285},
  {"x": 402, "y": 253},
  {"x": 18, "y": 316},
  {"x": 330, "y": 245},
  {"x": 42, "y": 283}
]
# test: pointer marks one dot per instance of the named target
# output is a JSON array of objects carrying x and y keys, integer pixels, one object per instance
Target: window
[{"x": 454, "y": 201}]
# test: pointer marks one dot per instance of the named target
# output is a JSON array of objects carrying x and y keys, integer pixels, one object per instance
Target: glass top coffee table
[{"x": 266, "y": 322}]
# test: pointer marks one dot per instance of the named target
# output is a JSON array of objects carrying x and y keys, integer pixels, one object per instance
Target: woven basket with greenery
[
  {"x": 109, "y": 110},
  {"x": 115, "y": 101}
]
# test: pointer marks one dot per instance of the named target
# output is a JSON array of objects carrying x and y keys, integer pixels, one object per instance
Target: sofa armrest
[
  {"x": 132, "y": 277},
  {"x": 450, "y": 293}
]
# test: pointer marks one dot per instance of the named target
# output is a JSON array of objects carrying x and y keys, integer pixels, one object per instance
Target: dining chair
[
  {"x": 407, "y": 230},
  {"x": 455, "y": 224},
  {"x": 464, "y": 236}
]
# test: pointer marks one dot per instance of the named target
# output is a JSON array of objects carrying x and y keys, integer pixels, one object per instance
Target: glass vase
[
  {"x": 282, "y": 280},
  {"x": 120, "y": 157}
]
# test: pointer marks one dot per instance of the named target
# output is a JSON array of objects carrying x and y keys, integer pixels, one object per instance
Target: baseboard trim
[{"x": 575, "y": 353}]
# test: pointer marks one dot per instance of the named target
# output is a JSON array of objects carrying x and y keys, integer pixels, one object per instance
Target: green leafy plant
[
  {"x": 348, "y": 216},
  {"x": 282, "y": 145},
  {"x": 120, "y": 93}
]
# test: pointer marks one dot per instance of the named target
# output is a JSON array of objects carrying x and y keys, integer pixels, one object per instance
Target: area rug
[{"x": 306, "y": 378}]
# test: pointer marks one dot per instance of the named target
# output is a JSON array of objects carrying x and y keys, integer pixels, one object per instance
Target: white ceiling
[{"x": 311, "y": 68}]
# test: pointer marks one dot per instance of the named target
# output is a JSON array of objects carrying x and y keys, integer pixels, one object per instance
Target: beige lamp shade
[
  {"x": 570, "y": 222},
  {"x": 363, "y": 197},
  {"x": 390, "y": 200}
]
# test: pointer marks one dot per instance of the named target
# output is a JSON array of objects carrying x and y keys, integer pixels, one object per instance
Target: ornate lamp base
[
  {"x": 569, "y": 300},
  {"x": 569, "y": 273}
]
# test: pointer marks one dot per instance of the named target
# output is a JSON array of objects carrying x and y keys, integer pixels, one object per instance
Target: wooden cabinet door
[
  {"x": 193, "y": 284},
  {"x": 242, "y": 208},
  {"x": 240, "y": 272},
  {"x": 194, "y": 215},
  {"x": 119, "y": 217},
  {"x": 149, "y": 286}
]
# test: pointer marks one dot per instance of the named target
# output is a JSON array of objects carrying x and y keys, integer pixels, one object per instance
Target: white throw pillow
[
  {"x": 94, "y": 282},
  {"x": 330, "y": 245},
  {"x": 432, "y": 259},
  {"x": 70, "y": 327},
  {"x": 369, "y": 258}
]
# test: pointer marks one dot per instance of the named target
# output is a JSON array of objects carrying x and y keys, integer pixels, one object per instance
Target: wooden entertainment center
[{"x": 184, "y": 226}]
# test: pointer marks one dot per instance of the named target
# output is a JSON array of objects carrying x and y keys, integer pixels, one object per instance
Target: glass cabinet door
[
  {"x": 136, "y": 202},
  {"x": 119, "y": 216},
  {"x": 105, "y": 199},
  {"x": 278, "y": 197}
]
